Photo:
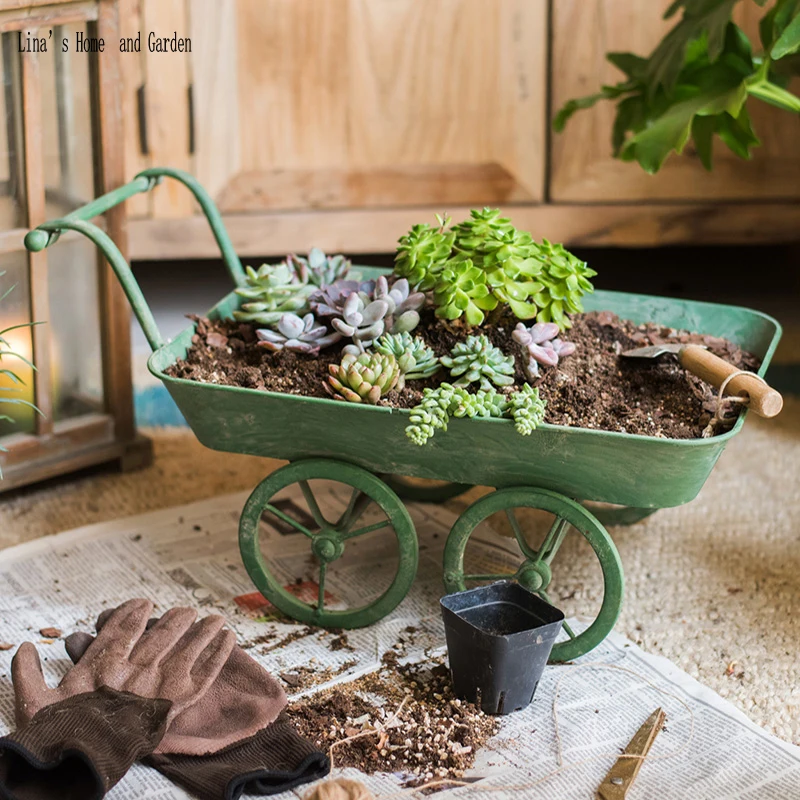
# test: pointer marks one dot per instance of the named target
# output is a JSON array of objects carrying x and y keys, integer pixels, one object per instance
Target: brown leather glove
[
  {"x": 242, "y": 701},
  {"x": 175, "y": 660}
]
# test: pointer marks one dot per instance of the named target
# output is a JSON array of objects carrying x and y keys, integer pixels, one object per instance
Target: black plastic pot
[{"x": 499, "y": 638}]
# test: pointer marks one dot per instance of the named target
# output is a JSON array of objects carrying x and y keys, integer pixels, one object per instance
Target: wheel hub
[
  {"x": 327, "y": 547},
  {"x": 535, "y": 576}
]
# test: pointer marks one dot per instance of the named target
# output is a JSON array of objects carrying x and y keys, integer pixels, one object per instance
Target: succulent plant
[
  {"x": 422, "y": 253},
  {"x": 363, "y": 378},
  {"x": 415, "y": 359},
  {"x": 526, "y": 408},
  {"x": 404, "y": 306},
  {"x": 329, "y": 300},
  {"x": 461, "y": 289},
  {"x": 541, "y": 345},
  {"x": 477, "y": 359},
  {"x": 272, "y": 290},
  {"x": 482, "y": 226},
  {"x": 433, "y": 412},
  {"x": 318, "y": 268},
  {"x": 301, "y": 335},
  {"x": 362, "y": 321},
  {"x": 565, "y": 280}
]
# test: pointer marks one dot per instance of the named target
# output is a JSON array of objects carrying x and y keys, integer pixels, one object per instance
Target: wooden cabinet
[{"x": 342, "y": 122}]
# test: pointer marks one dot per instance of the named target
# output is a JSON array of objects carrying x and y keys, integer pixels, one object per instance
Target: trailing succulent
[
  {"x": 477, "y": 359},
  {"x": 541, "y": 345},
  {"x": 363, "y": 378},
  {"x": 415, "y": 359},
  {"x": 524, "y": 406},
  {"x": 491, "y": 263},
  {"x": 301, "y": 335}
]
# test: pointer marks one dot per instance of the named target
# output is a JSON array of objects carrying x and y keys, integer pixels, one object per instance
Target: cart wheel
[
  {"x": 618, "y": 515},
  {"x": 327, "y": 539},
  {"x": 427, "y": 492},
  {"x": 535, "y": 572}
]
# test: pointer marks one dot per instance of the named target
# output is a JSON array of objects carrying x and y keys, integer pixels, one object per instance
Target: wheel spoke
[
  {"x": 487, "y": 577},
  {"x": 323, "y": 569},
  {"x": 359, "y": 503},
  {"x": 543, "y": 594},
  {"x": 313, "y": 506},
  {"x": 555, "y": 536},
  {"x": 519, "y": 535},
  {"x": 376, "y": 526},
  {"x": 288, "y": 520},
  {"x": 566, "y": 627}
]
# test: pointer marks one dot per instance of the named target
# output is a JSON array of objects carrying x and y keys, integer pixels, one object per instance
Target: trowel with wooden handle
[{"x": 764, "y": 400}]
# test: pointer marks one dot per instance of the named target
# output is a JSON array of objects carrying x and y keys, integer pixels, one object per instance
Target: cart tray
[{"x": 633, "y": 470}]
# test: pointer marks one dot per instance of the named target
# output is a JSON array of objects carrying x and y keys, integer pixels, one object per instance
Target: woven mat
[{"x": 711, "y": 585}]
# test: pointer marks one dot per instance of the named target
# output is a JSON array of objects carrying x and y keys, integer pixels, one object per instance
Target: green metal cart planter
[{"x": 556, "y": 469}]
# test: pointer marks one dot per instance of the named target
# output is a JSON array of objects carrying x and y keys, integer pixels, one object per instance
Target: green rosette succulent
[
  {"x": 477, "y": 359},
  {"x": 318, "y": 268},
  {"x": 415, "y": 359},
  {"x": 461, "y": 289},
  {"x": 272, "y": 291},
  {"x": 565, "y": 279},
  {"x": 482, "y": 226},
  {"x": 364, "y": 378},
  {"x": 526, "y": 408},
  {"x": 484, "y": 404},
  {"x": 422, "y": 254}
]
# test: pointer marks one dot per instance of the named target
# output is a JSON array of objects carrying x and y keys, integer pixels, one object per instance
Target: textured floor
[{"x": 712, "y": 585}]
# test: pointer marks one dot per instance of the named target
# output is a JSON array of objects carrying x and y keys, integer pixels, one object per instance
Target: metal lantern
[{"x": 60, "y": 146}]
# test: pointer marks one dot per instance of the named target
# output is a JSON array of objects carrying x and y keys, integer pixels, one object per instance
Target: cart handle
[{"x": 47, "y": 234}]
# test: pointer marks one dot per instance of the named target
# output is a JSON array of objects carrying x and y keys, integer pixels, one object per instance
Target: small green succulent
[
  {"x": 461, "y": 289},
  {"x": 565, "y": 280},
  {"x": 415, "y": 358},
  {"x": 438, "y": 405},
  {"x": 482, "y": 226},
  {"x": 422, "y": 253},
  {"x": 526, "y": 408},
  {"x": 318, "y": 268},
  {"x": 477, "y": 359},
  {"x": 272, "y": 291},
  {"x": 363, "y": 378}
]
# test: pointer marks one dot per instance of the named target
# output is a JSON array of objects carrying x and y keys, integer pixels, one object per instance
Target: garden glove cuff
[
  {"x": 242, "y": 700},
  {"x": 275, "y": 760},
  {"x": 79, "y": 747}
]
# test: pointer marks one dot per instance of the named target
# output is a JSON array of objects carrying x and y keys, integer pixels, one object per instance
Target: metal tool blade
[
  {"x": 653, "y": 351},
  {"x": 621, "y": 776}
]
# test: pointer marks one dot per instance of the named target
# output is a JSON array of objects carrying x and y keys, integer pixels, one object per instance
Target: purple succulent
[
  {"x": 541, "y": 344},
  {"x": 304, "y": 335},
  {"x": 329, "y": 300}
]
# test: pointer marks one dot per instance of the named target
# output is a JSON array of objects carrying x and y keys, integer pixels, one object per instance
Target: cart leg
[
  {"x": 371, "y": 508},
  {"x": 535, "y": 570},
  {"x": 419, "y": 491}
]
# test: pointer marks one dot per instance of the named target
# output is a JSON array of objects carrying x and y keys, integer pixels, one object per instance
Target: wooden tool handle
[{"x": 764, "y": 400}]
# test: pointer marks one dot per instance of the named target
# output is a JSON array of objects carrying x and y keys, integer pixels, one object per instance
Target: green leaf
[
  {"x": 775, "y": 22},
  {"x": 789, "y": 41},
  {"x": 703, "y": 129},
  {"x": 571, "y": 106},
  {"x": 651, "y": 146},
  {"x": 635, "y": 67},
  {"x": 737, "y": 133},
  {"x": 707, "y": 18}
]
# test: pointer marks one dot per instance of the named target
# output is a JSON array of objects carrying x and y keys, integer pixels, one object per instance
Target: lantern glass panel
[
  {"x": 76, "y": 344},
  {"x": 15, "y": 310},
  {"x": 12, "y": 156}
]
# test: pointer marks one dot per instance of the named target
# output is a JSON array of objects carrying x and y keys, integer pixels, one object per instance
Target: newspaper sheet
[{"x": 189, "y": 555}]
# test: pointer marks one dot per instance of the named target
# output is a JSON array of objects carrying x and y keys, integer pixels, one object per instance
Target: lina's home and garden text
[{"x": 34, "y": 43}]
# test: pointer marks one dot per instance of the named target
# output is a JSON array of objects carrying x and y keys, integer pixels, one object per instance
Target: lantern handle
[{"x": 47, "y": 234}]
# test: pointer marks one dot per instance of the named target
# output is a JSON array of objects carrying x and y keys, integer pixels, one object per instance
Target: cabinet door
[
  {"x": 304, "y": 104},
  {"x": 583, "y": 169}
]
